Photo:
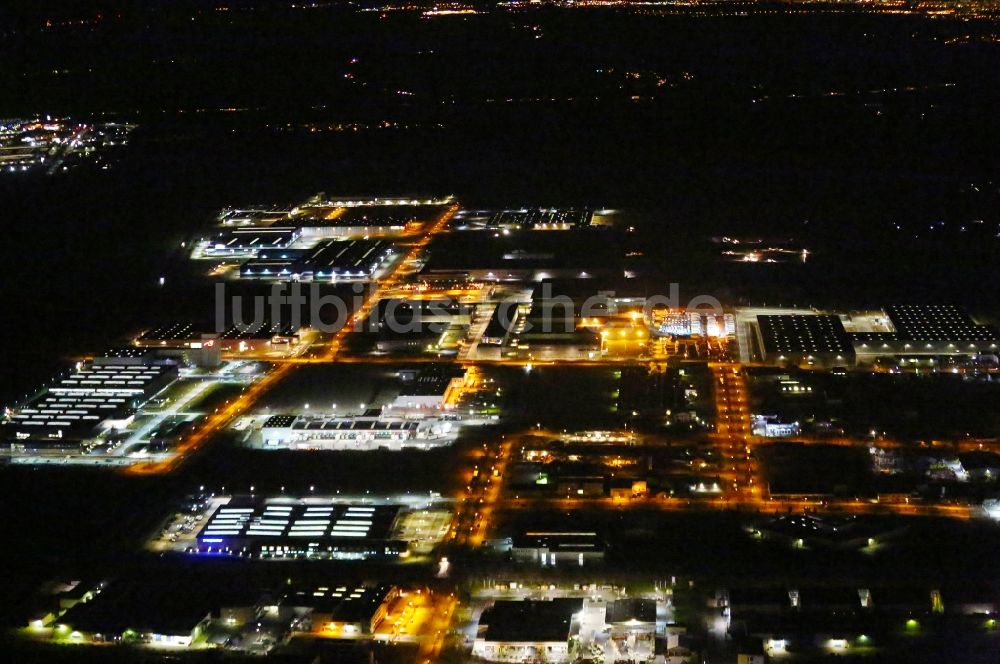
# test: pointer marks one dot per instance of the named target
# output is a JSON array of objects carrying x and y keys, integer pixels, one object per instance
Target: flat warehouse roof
[
  {"x": 530, "y": 620},
  {"x": 367, "y": 215},
  {"x": 624, "y": 610},
  {"x": 431, "y": 380},
  {"x": 273, "y": 523},
  {"x": 345, "y": 603},
  {"x": 171, "y": 332},
  {"x": 346, "y": 254},
  {"x": 543, "y": 217},
  {"x": 255, "y": 237},
  {"x": 143, "y": 607},
  {"x": 402, "y": 311},
  {"x": 795, "y": 333},
  {"x": 344, "y": 424},
  {"x": 76, "y": 403},
  {"x": 937, "y": 322},
  {"x": 186, "y": 332},
  {"x": 327, "y": 258},
  {"x": 264, "y": 330}
]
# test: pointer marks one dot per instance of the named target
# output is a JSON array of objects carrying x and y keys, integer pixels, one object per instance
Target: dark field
[
  {"x": 905, "y": 407},
  {"x": 791, "y": 468},
  {"x": 714, "y": 545}
]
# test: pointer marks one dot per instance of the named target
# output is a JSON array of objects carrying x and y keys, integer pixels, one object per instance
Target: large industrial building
[
  {"x": 547, "y": 630},
  {"x": 532, "y": 218},
  {"x": 430, "y": 389},
  {"x": 196, "y": 613},
  {"x": 796, "y": 339},
  {"x": 249, "y": 241},
  {"x": 301, "y": 529},
  {"x": 331, "y": 221},
  {"x": 303, "y": 242},
  {"x": 190, "y": 342},
  {"x": 329, "y": 260},
  {"x": 418, "y": 326},
  {"x": 921, "y": 333},
  {"x": 76, "y": 406},
  {"x": 255, "y": 215},
  {"x": 402, "y": 312},
  {"x": 546, "y": 328},
  {"x": 694, "y": 324},
  {"x": 331, "y": 433},
  {"x": 417, "y": 417},
  {"x": 542, "y": 218},
  {"x": 343, "y": 610},
  {"x": 528, "y": 630},
  {"x": 926, "y": 330},
  {"x": 549, "y": 549}
]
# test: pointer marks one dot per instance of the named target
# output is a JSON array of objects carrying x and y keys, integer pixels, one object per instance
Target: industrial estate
[{"x": 561, "y": 406}]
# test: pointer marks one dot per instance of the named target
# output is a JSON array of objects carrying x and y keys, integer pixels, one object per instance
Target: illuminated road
[
  {"x": 741, "y": 491},
  {"x": 213, "y": 424},
  {"x": 437, "y": 630},
  {"x": 481, "y": 494},
  {"x": 733, "y": 429},
  {"x": 387, "y": 282},
  {"x": 768, "y": 506}
]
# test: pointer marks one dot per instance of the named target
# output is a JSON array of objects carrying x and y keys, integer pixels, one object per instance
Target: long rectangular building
[
  {"x": 930, "y": 329},
  {"x": 804, "y": 339},
  {"x": 317, "y": 432},
  {"x": 75, "y": 406},
  {"x": 293, "y": 529},
  {"x": 374, "y": 220},
  {"x": 542, "y": 218},
  {"x": 250, "y": 240},
  {"x": 528, "y": 630},
  {"x": 328, "y": 260},
  {"x": 347, "y": 610}
]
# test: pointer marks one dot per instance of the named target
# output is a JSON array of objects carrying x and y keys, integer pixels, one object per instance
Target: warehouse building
[
  {"x": 527, "y": 630},
  {"x": 552, "y": 548},
  {"x": 329, "y": 260},
  {"x": 434, "y": 387},
  {"x": 818, "y": 340},
  {"x": 189, "y": 342},
  {"x": 544, "y": 219},
  {"x": 84, "y": 401},
  {"x": 927, "y": 330},
  {"x": 248, "y": 526},
  {"x": 140, "y": 613},
  {"x": 376, "y": 220},
  {"x": 342, "y": 610},
  {"x": 366, "y": 433},
  {"x": 249, "y": 241},
  {"x": 622, "y": 630}
]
